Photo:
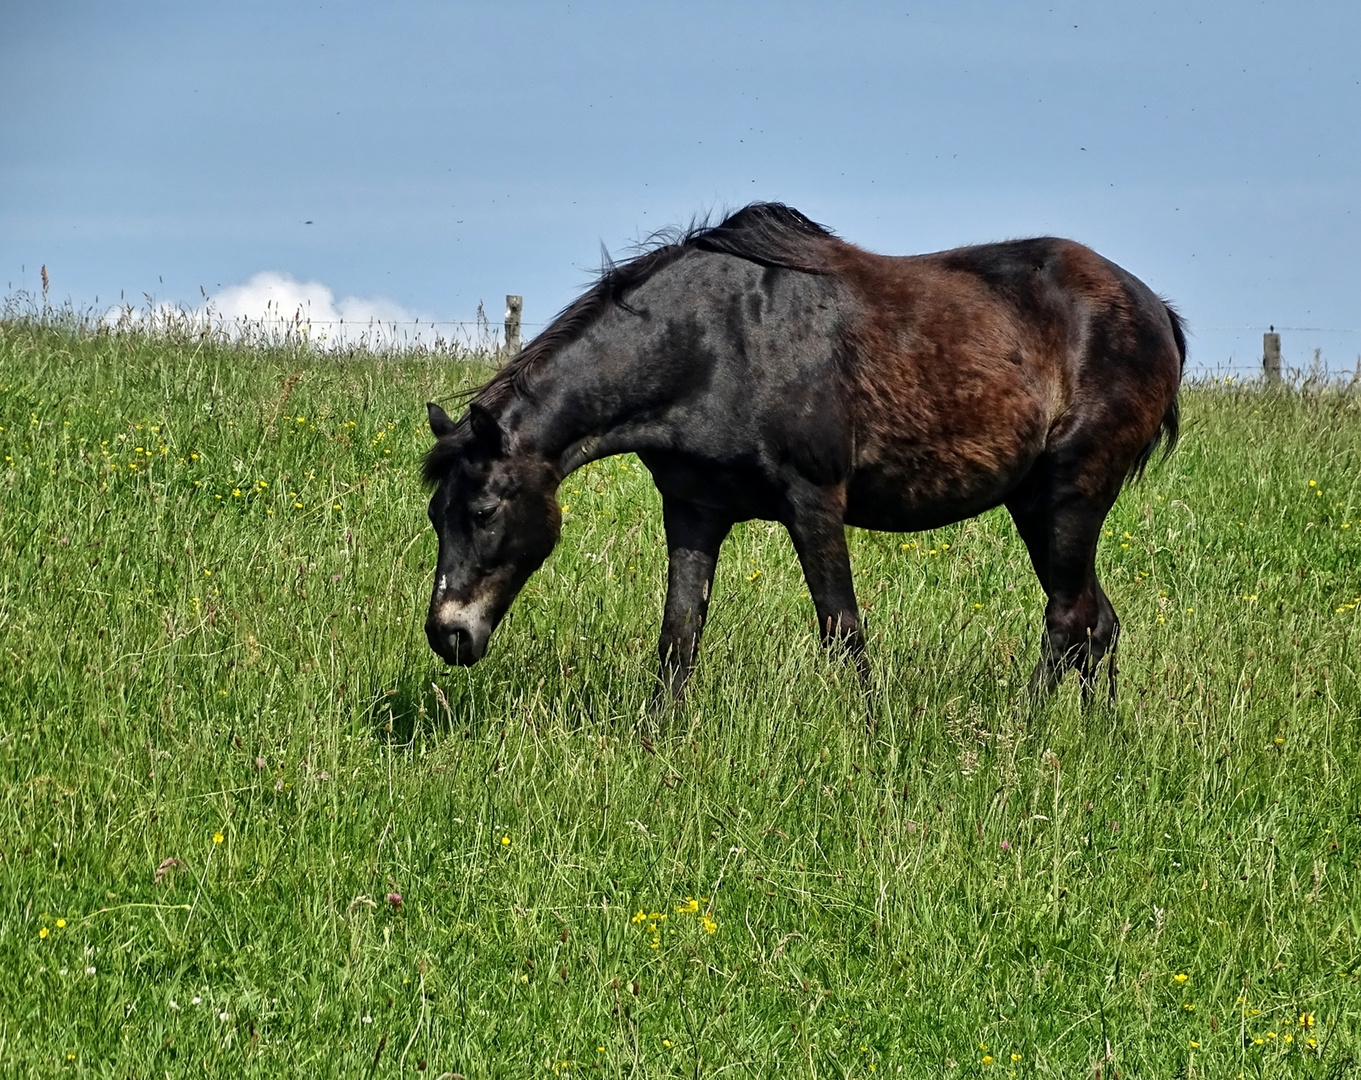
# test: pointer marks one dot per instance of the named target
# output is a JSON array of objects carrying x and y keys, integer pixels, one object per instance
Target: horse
[{"x": 764, "y": 368}]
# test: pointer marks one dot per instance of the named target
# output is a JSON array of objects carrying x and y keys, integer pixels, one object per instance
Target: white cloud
[
  {"x": 274, "y": 307},
  {"x": 278, "y": 298}
]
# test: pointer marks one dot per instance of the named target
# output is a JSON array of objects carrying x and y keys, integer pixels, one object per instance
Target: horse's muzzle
[{"x": 456, "y": 643}]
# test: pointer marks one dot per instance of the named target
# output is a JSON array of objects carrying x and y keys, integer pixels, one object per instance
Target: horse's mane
[
  {"x": 771, "y": 234},
  {"x": 768, "y": 233}
]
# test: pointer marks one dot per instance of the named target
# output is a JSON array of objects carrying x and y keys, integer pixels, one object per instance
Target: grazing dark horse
[{"x": 764, "y": 368}]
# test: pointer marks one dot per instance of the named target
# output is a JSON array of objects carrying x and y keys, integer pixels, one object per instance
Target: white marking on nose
[
  {"x": 471, "y": 615},
  {"x": 443, "y": 583}
]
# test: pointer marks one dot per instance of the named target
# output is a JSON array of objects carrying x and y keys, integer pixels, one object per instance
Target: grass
[{"x": 249, "y": 824}]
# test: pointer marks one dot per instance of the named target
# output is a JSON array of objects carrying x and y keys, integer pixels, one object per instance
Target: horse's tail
[{"x": 1170, "y": 429}]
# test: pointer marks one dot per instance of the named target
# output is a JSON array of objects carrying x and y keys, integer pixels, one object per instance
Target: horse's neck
[{"x": 583, "y": 405}]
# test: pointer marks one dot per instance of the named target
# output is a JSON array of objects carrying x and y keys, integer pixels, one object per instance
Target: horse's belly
[
  {"x": 913, "y": 490},
  {"x": 892, "y": 507}
]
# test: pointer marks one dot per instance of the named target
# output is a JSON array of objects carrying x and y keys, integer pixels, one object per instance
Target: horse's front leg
[
  {"x": 693, "y": 538},
  {"x": 817, "y": 526}
]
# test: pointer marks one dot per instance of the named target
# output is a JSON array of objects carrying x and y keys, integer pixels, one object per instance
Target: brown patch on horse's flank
[{"x": 982, "y": 384}]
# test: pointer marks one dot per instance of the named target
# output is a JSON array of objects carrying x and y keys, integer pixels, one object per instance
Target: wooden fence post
[
  {"x": 1271, "y": 356},
  {"x": 513, "y": 305}
]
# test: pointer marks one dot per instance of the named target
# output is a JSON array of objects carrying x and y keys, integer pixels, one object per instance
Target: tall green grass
[{"x": 250, "y": 824}]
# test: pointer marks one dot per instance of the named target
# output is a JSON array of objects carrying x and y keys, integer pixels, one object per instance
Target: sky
[{"x": 411, "y": 160}]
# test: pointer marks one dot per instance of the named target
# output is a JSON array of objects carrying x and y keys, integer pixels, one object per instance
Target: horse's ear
[
  {"x": 440, "y": 424},
  {"x": 486, "y": 428}
]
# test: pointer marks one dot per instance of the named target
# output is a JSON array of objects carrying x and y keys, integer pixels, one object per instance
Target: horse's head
[{"x": 495, "y": 511}]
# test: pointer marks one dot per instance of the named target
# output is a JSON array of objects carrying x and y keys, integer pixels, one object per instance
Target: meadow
[{"x": 250, "y": 825}]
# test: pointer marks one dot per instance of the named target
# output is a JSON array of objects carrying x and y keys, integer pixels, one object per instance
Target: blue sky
[{"x": 451, "y": 153}]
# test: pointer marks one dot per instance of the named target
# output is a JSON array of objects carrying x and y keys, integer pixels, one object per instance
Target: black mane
[{"x": 768, "y": 233}]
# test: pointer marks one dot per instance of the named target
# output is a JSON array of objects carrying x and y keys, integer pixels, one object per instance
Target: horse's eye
[{"x": 483, "y": 514}]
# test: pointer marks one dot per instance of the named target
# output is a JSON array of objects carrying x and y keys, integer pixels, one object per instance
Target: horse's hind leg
[
  {"x": 1060, "y": 527},
  {"x": 693, "y": 538},
  {"x": 816, "y": 524}
]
